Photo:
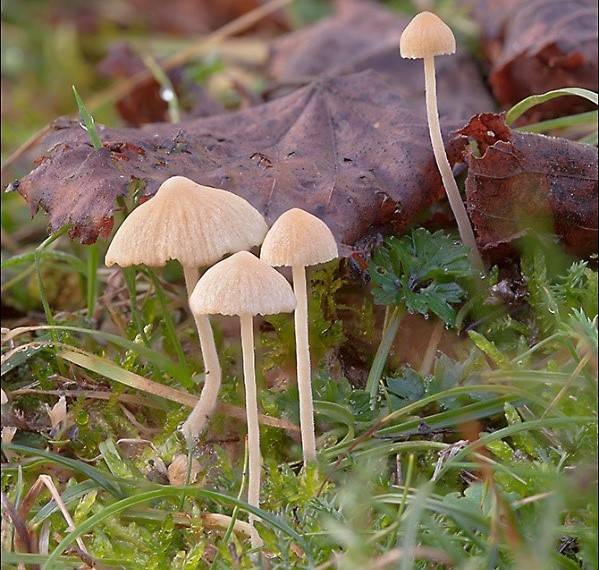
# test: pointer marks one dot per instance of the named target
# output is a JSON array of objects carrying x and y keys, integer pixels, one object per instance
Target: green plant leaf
[
  {"x": 72, "y": 262},
  {"x": 584, "y": 119},
  {"x": 520, "y": 108},
  {"x": 88, "y": 121},
  {"x": 105, "y": 480},
  {"x": 406, "y": 388},
  {"x": 69, "y": 495},
  {"x": 165, "y": 493},
  {"x": 161, "y": 361},
  {"x": 450, "y": 418},
  {"x": 421, "y": 272}
]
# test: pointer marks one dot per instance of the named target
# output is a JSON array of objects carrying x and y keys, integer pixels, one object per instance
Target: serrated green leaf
[
  {"x": 407, "y": 388},
  {"x": 421, "y": 272}
]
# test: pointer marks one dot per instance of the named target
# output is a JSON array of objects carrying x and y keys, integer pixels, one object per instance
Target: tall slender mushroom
[
  {"x": 299, "y": 239},
  {"x": 243, "y": 285},
  {"x": 196, "y": 225},
  {"x": 425, "y": 37}
]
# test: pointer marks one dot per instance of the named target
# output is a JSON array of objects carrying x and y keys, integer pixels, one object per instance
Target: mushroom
[
  {"x": 299, "y": 239},
  {"x": 425, "y": 37},
  {"x": 243, "y": 285},
  {"x": 196, "y": 225}
]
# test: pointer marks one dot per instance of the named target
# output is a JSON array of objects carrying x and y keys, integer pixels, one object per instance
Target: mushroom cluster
[
  {"x": 185, "y": 221},
  {"x": 198, "y": 226}
]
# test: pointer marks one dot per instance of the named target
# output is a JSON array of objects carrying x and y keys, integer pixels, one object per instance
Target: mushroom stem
[
  {"x": 251, "y": 407},
  {"x": 198, "y": 419},
  {"x": 451, "y": 188},
  {"x": 302, "y": 349}
]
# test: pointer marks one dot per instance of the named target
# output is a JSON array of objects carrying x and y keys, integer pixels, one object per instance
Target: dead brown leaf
[
  {"x": 344, "y": 148},
  {"x": 535, "y": 46},
  {"x": 362, "y": 35},
  {"x": 521, "y": 179}
]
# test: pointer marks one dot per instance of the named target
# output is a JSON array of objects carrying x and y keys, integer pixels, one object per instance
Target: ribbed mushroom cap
[
  {"x": 241, "y": 285},
  {"x": 194, "y": 224},
  {"x": 298, "y": 238},
  {"x": 426, "y": 35}
]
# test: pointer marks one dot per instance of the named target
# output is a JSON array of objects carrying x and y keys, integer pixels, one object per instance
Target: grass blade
[
  {"x": 169, "y": 326},
  {"x": 73, "y": 263},
  {"x": 451, "y": 418},
  {"x": 89, "y": 124},
  {"x": 106, "y": 481},
  {"x": 165, "y": 493},
  {"x": 380, "y": 358},
  {"x": 114, "y": 372},
  {"x": 129, "y": 273},
  {"x": 520, "y": 108},
  {"x": 588, "y": 118},
  {"x": 93, "y": 261},
  {"x": 515, "y": 429},
  {"x": 69, "y": 495},
  {"x": 38, "y": 269},
  {"x": 167, "y": 90},
  {"x": 159, "y": 360}
]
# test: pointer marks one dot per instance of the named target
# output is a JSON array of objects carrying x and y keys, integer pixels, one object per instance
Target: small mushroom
[
  {"x": 299, "y": 239},
  {"x": 196, "y": 225},
  {"x": 425, "y": 37},
  {"x": 243, "y": 285}
]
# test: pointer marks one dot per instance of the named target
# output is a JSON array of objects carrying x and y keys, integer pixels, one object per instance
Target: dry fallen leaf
[
  {"x": 362, "y": 35},
  {"x": 535, "y": 46},
  {"x": 522, "y": 179},
  {"x": 343, "y": 148}
]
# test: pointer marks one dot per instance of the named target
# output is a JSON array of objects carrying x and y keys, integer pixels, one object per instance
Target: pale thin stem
[
  {"x": 449, "y": 183},
  {"x": 251, "y": 407},
  {"x": 302, "y": 350},
  {"x": 198, "y": 419}
]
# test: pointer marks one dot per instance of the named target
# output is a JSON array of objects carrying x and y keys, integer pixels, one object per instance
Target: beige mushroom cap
[
  {"x": 426, "y": 35},
  {"x": 189, "y": 222},
  {"x": 241, "y": 285},
  {"x": 298, "y": 238}
]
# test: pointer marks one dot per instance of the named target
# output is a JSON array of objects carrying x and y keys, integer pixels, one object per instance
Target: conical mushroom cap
[
  {"x": 194, "y": 224},
  {"x": 241, "y": 285},
  {"x": 426, "y": 35},
  {"x": 298, "y": 238}
]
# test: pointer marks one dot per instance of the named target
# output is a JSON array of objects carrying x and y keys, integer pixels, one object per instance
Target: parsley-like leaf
[{"x": 421, "y": 272}]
